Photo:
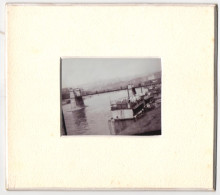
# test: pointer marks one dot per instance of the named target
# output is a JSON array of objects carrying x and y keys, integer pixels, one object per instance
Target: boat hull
[{"x": 122, "y": 114}]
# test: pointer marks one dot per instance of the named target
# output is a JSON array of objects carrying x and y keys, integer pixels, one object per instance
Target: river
[{"x": 93, "y": 118}]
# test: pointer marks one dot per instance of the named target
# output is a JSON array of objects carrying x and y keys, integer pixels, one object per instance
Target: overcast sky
[{"x": 78, "y": 71}]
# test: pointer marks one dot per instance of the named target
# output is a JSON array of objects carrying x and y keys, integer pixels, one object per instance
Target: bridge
[
  {"x": 79, "y": 92},
  {"x": 87, "y": 93}
]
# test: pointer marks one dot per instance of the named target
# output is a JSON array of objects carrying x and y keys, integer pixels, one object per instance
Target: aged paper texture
[{"x": 39, "y": 158}]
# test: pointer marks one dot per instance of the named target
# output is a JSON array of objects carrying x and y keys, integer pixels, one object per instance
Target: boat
[
  {"x": 132, "y": 106},
  {"x": 138, "y": 113}
]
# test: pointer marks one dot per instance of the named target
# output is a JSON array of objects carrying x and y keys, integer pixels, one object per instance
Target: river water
[{"x": 93, "y": 118}]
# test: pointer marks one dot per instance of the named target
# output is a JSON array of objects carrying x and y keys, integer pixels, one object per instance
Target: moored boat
[
  {"x": 137, "y": 114},
  {"x": 132, "y": 106}
]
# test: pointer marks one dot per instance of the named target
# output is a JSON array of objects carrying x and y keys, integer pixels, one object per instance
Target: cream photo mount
[{"x": 183, "y": 158}]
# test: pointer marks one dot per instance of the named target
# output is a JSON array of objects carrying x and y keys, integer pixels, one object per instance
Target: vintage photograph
[{"x": 111, "y": 96}]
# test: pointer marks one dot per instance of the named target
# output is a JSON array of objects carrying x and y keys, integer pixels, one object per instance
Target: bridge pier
[{"x": 76, "y": 98}]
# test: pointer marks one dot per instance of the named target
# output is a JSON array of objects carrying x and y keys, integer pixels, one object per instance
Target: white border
[{"x": 3, "y": 92}]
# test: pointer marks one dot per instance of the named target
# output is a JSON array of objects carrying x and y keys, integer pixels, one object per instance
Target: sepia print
[{"x": 111, "y": 96}]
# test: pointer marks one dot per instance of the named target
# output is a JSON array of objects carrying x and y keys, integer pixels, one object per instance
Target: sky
[{"x": 79, "y": 71}]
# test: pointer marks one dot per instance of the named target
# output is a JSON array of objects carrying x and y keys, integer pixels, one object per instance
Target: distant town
[{"x": 113, "y": 85}]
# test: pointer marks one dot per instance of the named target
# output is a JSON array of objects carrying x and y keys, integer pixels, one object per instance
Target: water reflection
[
  {"x": 93, "y": 118},
  {"x": 80, "y": 119}
]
